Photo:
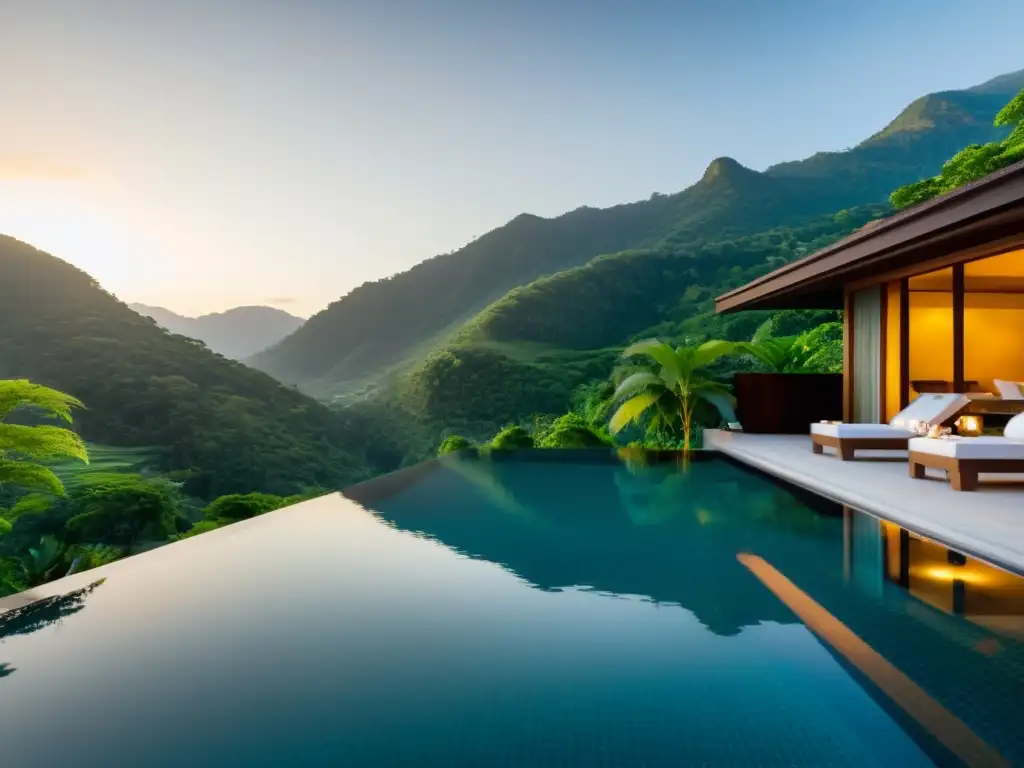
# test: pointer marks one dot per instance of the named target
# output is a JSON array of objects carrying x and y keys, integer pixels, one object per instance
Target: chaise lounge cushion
[
  {"x": 931, "y": 409},
  {"x": 1014, "y": 429},
  {"x": 1009, "y": 390},
  {"x": 969, "y": 447},
  {"x": 865, "y": 431}
]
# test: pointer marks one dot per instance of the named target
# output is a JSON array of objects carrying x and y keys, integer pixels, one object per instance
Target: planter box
[{"x": 787, "y": 403}]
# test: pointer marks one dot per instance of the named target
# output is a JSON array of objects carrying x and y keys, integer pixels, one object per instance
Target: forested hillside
[
  {"x": 226, "y": 427},
  {"x": 393, "y": 324},
  {"x": 530, "y": 351},
  {"x": 236, "y": 333}
]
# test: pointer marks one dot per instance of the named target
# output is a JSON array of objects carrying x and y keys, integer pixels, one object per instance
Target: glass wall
[
  {"x": 994, "y": 320},
  {"x": 931, "y": 332},
  {"x": 992, "y": 326}
]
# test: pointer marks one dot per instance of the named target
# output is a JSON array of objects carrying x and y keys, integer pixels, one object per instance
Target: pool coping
[{"x": 997, "y": 556}]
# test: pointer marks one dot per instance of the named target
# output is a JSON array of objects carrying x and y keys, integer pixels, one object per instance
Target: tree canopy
[{"x": 973, "y": 162}]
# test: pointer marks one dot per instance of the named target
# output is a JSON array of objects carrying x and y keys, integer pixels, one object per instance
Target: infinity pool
[{"x": 526, "y": 611}]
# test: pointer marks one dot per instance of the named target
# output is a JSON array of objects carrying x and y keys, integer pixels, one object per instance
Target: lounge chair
[
  {"x": 963, "y": 458},
  {"x": 894, "y": 436}
]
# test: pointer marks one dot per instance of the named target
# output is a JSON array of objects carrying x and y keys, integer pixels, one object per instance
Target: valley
[{"x": 508, "y": 342}]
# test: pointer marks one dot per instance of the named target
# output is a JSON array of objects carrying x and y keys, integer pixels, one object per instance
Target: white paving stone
[{"x": 987, "y": 523}]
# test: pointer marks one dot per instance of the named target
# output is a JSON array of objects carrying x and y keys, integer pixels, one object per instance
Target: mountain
[
  {"x": 236, "y": 333},
  {"x": 385, "y": 328},
  {"x": 222, "y": 426}
]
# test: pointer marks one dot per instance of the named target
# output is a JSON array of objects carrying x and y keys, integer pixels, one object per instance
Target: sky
[{"x": 205, "y": 154}]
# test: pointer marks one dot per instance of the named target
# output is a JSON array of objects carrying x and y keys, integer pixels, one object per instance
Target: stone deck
[{"x": 987, "y": 523}]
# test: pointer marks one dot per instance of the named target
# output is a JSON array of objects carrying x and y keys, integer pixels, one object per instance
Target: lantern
[{"x": 969, "y": 426}]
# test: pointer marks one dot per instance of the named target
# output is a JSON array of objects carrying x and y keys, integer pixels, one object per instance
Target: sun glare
[{"x": 64, "y": 219}]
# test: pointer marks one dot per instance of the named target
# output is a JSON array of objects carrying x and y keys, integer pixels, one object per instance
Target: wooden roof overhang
[{"x": 980, "y": 219}]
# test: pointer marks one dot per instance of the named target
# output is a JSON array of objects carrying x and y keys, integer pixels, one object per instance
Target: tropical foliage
[
  {"x": 819, "y": 350},
  {"x": 972, "y": 162},
  {"x": 663, "y": 393},
  {"x": 24, "y": 446},
  {"x": 122, "y": 509}
]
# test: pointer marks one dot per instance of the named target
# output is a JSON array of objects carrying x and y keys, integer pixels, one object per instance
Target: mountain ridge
[
  {"x": 223, "y": 427},
  {"x": 237, "y": 333},
  {"x": 381, "y": 327}
]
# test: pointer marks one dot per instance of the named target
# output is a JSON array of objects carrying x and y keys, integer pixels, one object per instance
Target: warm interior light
[
  {"x": 939, "y": 573},
  {"x": 969, "y": 426}
]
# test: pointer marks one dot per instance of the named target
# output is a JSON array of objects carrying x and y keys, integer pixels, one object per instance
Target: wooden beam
[
  {"x": 950, "y": 238},
  {"x": 958, "y": 328},
  {"x": 904, "y": 343}
]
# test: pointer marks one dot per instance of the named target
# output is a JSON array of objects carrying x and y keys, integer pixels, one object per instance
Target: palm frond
[
  {"x": 710, "y": 351},
  {"x": 637, "y": 382},
  {"x": 658, "y": 351},
  {"x": 28, "y": 475},
  {"x": 42, "y": 442},
  {"x": 631, "y": 410},
  {"x": 21, "y": 393},
  {"x": 764, "y": 331}
]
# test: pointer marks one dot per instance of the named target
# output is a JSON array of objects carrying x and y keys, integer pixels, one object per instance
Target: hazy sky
[{"x": 201, "y": 154}]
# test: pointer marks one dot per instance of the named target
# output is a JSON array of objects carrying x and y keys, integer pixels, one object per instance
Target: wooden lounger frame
[
  {"x": 845, "y": 446},
  {"x": 962, "y": 473}
]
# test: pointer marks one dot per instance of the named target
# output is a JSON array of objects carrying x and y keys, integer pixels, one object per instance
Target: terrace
[
  {"x": 933, "y": 302},
  {"x": 987, "y": 524}
]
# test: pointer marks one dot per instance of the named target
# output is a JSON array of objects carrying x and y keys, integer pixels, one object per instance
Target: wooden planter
[{"x": 787, "y": 403}]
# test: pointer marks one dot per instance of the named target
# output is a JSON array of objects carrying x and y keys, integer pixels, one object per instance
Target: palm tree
[
  {"x": 666, "y": 390},
  {"x": 23, "y": 447}
]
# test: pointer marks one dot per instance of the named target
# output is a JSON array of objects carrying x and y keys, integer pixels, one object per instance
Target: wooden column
[
  {"x": 904, "y": 342},
  {"x": 848, "y": 357},
  {"x": 958, "y": 328},
  {"x": 883, "y": 351}
]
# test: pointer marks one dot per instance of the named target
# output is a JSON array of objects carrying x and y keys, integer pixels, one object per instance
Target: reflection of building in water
[
  {"x": 947, "y": 580},
  {"x": 862, "y": 534}
]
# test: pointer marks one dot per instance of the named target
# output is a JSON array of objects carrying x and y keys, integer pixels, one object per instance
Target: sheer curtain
[{"x": 867, "y": 352}]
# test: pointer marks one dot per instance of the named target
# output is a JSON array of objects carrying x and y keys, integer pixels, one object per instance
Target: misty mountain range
[{"x": 236, "y": 333}]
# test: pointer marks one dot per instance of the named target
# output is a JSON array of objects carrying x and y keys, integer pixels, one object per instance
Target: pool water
[{"x": 524, "y": 611}]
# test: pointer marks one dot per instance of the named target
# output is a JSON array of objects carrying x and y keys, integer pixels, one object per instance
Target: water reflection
[
  {"x": 952, "y": 582},
  {"x": 952, "y": 625},
  {"x": 661, "y": 531},
  {"x": 7, "y": 669},
  {"x": 42, "y": 613}
]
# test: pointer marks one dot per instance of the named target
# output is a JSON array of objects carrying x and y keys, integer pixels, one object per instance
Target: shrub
[
  {"x": 571, "y": 431},
  {"x": 242, "y": 506},
  {"x": 202, "y": 527},
  {"x": 453, "y": 443},
  {"x": 512, "y": 436}
]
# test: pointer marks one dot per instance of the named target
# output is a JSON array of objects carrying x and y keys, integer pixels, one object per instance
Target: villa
[{"x": 933, "y": 300}]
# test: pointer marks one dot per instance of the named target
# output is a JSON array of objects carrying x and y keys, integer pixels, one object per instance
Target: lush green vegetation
[
  {"x": 972, "y": 162},
  {"x": 48, "y": 530},
  {"x": 664, "y": 391},
  {"x": 222, "y": 427},
  {"x": 818, "y": 350},
  {"x": 526, "y": 355},
  {"x": 104, "y": 460}
]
